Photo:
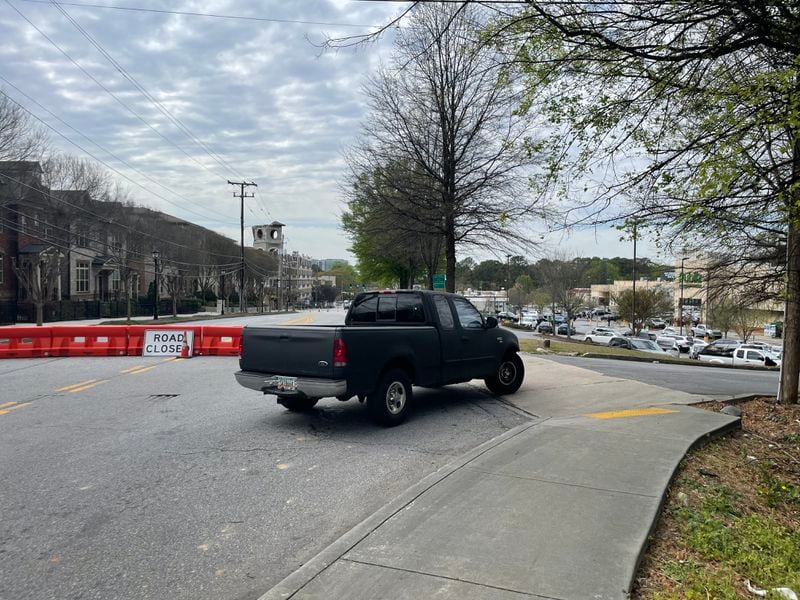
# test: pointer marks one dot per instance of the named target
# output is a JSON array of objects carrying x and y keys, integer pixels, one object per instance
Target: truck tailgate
[{"x": 298, "y": 351}]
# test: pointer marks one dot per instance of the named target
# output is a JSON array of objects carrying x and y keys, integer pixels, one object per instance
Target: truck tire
[
  {"x": 298, "y": 404},
  {"x": 390, "y": 403},
  {"x": 509, "y": 376}
]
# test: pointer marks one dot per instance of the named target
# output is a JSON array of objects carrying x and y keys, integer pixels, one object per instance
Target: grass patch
[
  {"x": 564, "y": 346},
  {"x": 732, "y": 515}
]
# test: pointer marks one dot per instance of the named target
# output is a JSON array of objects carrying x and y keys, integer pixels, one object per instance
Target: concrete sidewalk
[{"x": 558, "y": 508}]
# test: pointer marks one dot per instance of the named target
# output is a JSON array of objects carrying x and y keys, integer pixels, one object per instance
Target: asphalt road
[
  {"x": 150, "y": 478},
  {"x": 705, "y": 381}
]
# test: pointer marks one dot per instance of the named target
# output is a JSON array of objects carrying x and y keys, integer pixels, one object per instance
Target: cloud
[{"x": 262, "y": 97}]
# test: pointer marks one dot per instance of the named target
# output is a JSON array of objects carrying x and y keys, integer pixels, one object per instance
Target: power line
[
  {"x": 109, "y": 152},
  {"x": 207, "y": 15},
  {"x": 110, "y": 93},
  {"x": 155, "y": 102},
  {"x": 111, "y": 221}
]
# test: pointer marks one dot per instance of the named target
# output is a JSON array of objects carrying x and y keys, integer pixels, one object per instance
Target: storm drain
[{"x": 162, "y": 396}]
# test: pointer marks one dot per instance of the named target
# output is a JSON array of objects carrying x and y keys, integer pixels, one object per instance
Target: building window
[
  {"x": 82, "y": 276},
  {"x": 115, "y": 281},
  {"x": 80, "y": 240}
]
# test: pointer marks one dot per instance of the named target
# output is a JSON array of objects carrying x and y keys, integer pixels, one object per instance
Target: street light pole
[
  {"x": 156, "y": 254},
  {"x": 680, "y": 308},
  {"x": 633, "y": 298}
]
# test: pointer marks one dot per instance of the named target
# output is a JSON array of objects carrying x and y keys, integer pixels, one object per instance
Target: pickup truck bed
[{"x": 389, "y": 342}]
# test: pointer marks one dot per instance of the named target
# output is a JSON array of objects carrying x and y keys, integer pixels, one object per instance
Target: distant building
[{"x": 326, "y": 264}]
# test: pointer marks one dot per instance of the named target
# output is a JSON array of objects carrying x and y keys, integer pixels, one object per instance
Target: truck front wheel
[
  {"x": 390, "y": 403},
  {"x": 508, "y": 377},
  {"x": 298, "y": 404}
]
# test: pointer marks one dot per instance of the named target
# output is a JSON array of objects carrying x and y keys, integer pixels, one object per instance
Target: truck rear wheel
[
  {"x": 508, "y": 377},
  {"x": 298, "y": 404},
  {"x": 390, "y": 403}
]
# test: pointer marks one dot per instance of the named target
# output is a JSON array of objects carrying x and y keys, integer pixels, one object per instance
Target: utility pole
[
  {"x": 242, "y": 195},
  {"x": 633, "y": 299}
]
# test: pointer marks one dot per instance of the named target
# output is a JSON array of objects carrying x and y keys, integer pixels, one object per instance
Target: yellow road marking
[
  {"x": 86, "y": 387},
  {"x": 4, "y": 404},
  {"x": 132, "y": 369},
  {"x": 142, "y": 370},
  {"x": 75, "y": 385},
  {"x": 170, "y": 359},
  {"x": 304, "y": 320},
  {"x": 7, "y": 410},
  {"x": 632, "y": 412}
]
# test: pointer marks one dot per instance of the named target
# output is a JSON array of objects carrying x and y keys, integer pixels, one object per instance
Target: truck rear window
[
  {"x": 389, "y": 308},
  {"x": 364, "y": 311}
]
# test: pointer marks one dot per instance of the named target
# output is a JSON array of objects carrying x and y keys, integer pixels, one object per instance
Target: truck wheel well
[{"x": 400, "y": 363}]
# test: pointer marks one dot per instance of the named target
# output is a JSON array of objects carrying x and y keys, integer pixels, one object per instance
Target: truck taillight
[
  {"x": 339, "y": 353},
  {"x": 240, "y": 345}
]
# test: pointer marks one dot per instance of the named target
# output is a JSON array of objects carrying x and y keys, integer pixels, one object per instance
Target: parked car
[
  {"x": 702, "y": 331},
  {"x": 545, "y": 327},
  {"x": 389, "y": 342},
  {"x": 564, "y": 329},
  {"x": 656, "y": 323},
  {"x": 507, "y": 316},
  {"x": 601, "y": 337},
  {"x": 737, "y": 357},
  {"x": 528, "y": 320},
  {"x": 636, "y": 344},
  {"x": 647, "y": 335}
]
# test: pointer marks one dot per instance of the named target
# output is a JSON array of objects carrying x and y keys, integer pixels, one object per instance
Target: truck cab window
[
  {"x": 409, "y": 309},
  {"x": 365, "y": 311},
  {"x": 468, "y": 315},
  {"x": 387, "y": 308},
  {"x": 445, "y": 314}
]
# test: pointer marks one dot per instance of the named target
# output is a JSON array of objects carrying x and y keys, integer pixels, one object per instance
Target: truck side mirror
[{"x": 491, "y": 322}]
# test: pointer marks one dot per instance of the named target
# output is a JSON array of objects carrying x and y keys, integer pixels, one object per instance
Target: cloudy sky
[{"x": 254, "y": 98}]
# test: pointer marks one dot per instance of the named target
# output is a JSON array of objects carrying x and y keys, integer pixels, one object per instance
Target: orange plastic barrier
[
  {"x": 96, "y": 340},
  {"x": 219, "y": 340},
  {"x": 25, "y": 342}
]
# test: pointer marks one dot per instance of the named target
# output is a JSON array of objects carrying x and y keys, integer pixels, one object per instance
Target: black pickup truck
[{"x": 390, "y": 341}]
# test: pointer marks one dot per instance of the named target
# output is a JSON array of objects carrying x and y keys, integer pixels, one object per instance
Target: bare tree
[
  {"x": 175, "y": 284},
  {"x": 66, "y": 172},
  {"x": 442, "y": 110},
  {"x": 20, "y": 138},
  {"x": 39, "y": 276},
  {"x": 561, "y": 275},
  {"x": 649, "y": 303}
]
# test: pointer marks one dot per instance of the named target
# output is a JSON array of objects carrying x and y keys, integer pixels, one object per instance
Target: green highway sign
[{"x": 438, "y": 281}]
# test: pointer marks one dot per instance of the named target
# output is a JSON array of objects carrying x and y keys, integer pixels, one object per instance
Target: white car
[
  {"x": 702, "y": 331},
  {"x": 601, "y": 336},
  {"x": 528, "y": 320}
]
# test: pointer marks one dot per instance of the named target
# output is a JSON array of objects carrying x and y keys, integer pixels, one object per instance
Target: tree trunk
[
  {"x": 128, "y": 294},
  {"x": 790, "y": 371},
  {"x": 39, "y": 314},
  {"x": 450, "y": 255}
]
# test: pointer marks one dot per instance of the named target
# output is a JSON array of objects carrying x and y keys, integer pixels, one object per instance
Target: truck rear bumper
[{"x": 304, "y": 388}]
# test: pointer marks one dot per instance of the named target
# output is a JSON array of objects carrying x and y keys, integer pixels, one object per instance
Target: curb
[
  {"x": 699, "y": 442},
  {"x": 689, "y": 363},
  {"x": 297, "y": 580}
]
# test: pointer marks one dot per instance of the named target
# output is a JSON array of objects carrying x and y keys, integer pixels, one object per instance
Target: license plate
[{"x": 283, "y": 383}]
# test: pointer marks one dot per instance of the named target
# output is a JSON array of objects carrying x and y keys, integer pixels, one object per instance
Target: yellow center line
[
  {"x": 86, "y": 387},
  {"x": 7, "y": 410},
  {"x": 132, "y": 369},
  {"x": 633, "y": 412},
  {"x": 171, "y": 358},
  {"x": 4, "y": 404},
  {"x": 142, "y": 370},
  {"x": 75, "y": 385}
]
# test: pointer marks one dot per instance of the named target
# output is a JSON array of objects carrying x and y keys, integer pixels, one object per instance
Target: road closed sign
[{"x": 167, "y": 342}]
